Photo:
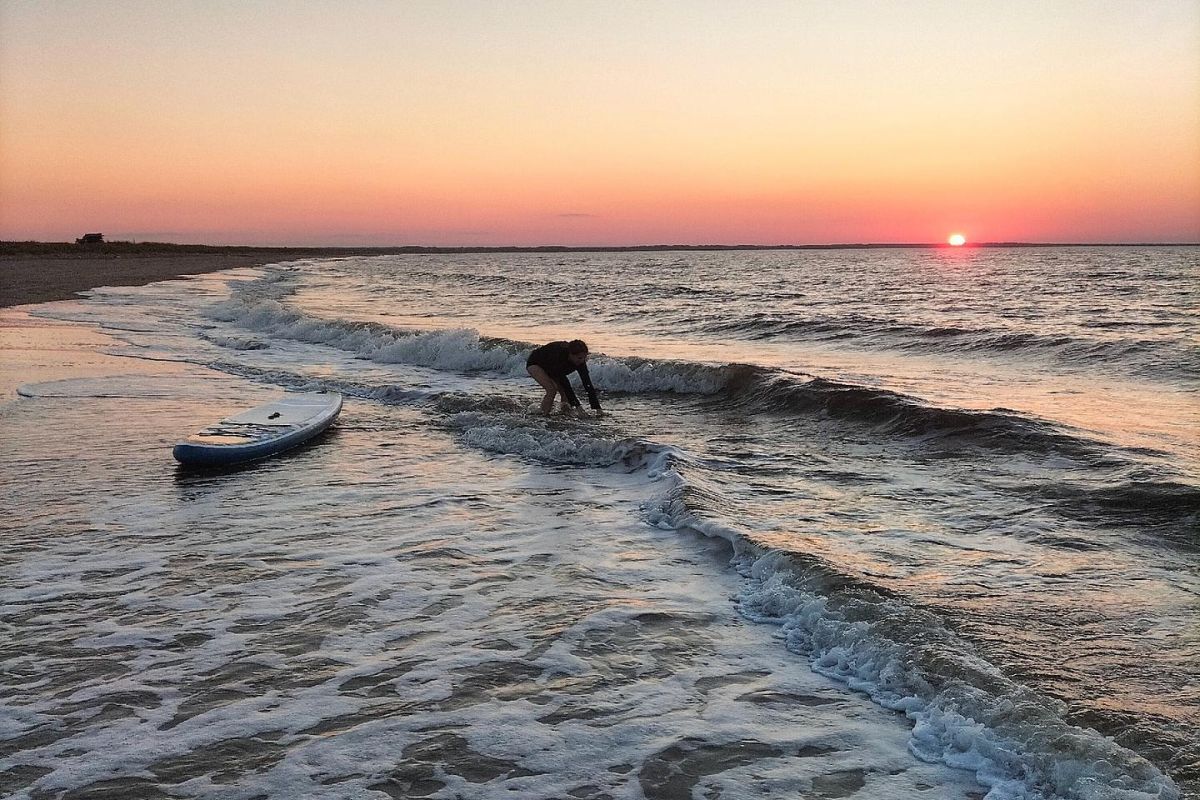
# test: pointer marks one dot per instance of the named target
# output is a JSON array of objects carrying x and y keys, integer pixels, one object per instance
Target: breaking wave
[
  {"x": 965, "y": 711},
  {"x": 743, "y": 387},
  {"x": 463, "y": 350}
]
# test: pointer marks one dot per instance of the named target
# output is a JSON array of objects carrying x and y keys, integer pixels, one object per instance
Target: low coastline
[
  {"x": 29, "y": 276},
  {"x": 40, "y": 272}
]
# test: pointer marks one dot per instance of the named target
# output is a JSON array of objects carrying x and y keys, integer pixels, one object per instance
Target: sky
[{"x": 571, "y": 122}]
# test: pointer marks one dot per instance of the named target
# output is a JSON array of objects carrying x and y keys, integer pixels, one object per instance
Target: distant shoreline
[
  {"x": 10, "y": 249},
  {"x": 39, "y": 272}
]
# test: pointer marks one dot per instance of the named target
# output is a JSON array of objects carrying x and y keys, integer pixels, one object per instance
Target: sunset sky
[{"x": 598, "y": 123}]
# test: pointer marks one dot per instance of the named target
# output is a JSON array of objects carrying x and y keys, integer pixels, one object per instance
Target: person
[{"x": 550, "y": 365}]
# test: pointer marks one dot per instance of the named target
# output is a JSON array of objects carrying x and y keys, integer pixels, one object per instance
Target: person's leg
[{"x": 546, "y": 382}]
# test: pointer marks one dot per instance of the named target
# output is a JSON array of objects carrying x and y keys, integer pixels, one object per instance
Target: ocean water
[{"x": 856, "y": 523}]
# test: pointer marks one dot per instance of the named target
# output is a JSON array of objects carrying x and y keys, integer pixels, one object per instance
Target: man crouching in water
[{"x": 550, "y": 365}]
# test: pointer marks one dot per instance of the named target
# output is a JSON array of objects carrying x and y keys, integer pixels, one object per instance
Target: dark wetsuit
[{"x": 555, "y": 359}]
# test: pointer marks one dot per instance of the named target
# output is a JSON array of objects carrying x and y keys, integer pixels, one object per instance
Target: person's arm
[
  {"x": 568, "y": 393},
  {"x": 593, "y": 401}
]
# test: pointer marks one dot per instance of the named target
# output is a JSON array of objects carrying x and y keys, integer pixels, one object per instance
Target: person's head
[{"x": 577, "y": 351}]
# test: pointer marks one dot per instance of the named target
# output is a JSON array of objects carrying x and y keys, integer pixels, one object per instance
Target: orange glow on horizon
[
  {"x": 957, "y": 240},
  {"x": 568, "y": 124}
]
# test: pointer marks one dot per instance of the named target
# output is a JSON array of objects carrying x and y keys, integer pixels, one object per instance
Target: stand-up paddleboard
[{"x": 262, "y": 431}]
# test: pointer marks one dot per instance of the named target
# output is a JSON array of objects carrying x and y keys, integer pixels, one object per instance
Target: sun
[{"x": 957, "y": 240}]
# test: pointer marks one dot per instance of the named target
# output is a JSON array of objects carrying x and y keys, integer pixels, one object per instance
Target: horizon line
[{"x": 554, "y": 248}]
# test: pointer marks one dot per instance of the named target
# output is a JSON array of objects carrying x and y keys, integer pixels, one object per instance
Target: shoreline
[
  {"x": 40, "y": 272},
  {"x": 36, "y": 349},
  {"x": 27, "y": 279}
]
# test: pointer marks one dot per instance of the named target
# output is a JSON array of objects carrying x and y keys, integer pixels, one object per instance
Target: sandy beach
[
  {"x": 32, "y": 277},
  {"x": 37, "y": 349}
]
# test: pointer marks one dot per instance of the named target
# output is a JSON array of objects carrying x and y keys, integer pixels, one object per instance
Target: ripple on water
[{"x": 284, "y": 640}]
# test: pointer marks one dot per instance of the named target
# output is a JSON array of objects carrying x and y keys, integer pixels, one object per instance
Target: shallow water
[
  {"x": 388, "y": 611},
  {"x": 952, "y": 495}
]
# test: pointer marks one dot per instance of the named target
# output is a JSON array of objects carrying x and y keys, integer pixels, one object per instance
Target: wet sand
[
  {"x": 59, "y": 276},
  {"x": 34, "y": 350}
]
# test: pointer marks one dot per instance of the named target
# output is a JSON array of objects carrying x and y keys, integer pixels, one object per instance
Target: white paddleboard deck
[
  {"x": 261, "y": 431},
  {"x": 294, "y": 409}
]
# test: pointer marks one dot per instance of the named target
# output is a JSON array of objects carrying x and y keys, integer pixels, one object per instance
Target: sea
[{"x": 856, "y": 523}]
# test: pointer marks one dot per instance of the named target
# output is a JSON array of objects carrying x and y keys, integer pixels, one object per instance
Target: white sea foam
[
  {"x": 476, "y": 626},
  {"x": 1014, "y": 740},
  {"x": 135, "y": 385},
  {"x": 1018, "y": 753},
  {"x": 236, "y": 342},
  {"x": 530, "y": 436},
  {"x": 462, "y": 350}
]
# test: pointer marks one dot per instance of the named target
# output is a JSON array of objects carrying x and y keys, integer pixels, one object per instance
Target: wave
[
  {"x": 741, "y": 387},
  {"x": 900, "y": 414},
  {"x": 1119, "y": 494},
  {"x": 235, "y": 342},
  {"x": 1147, "y": 501},
  {"x": 534, "y": 437},
  {"x": 389, "y": 393},
  {"x": 965, "y": 711},
  {"x": 1159, "y": 355},
  {"x": 461, "y": 349},
  {"x": 258, "y": 307}
]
